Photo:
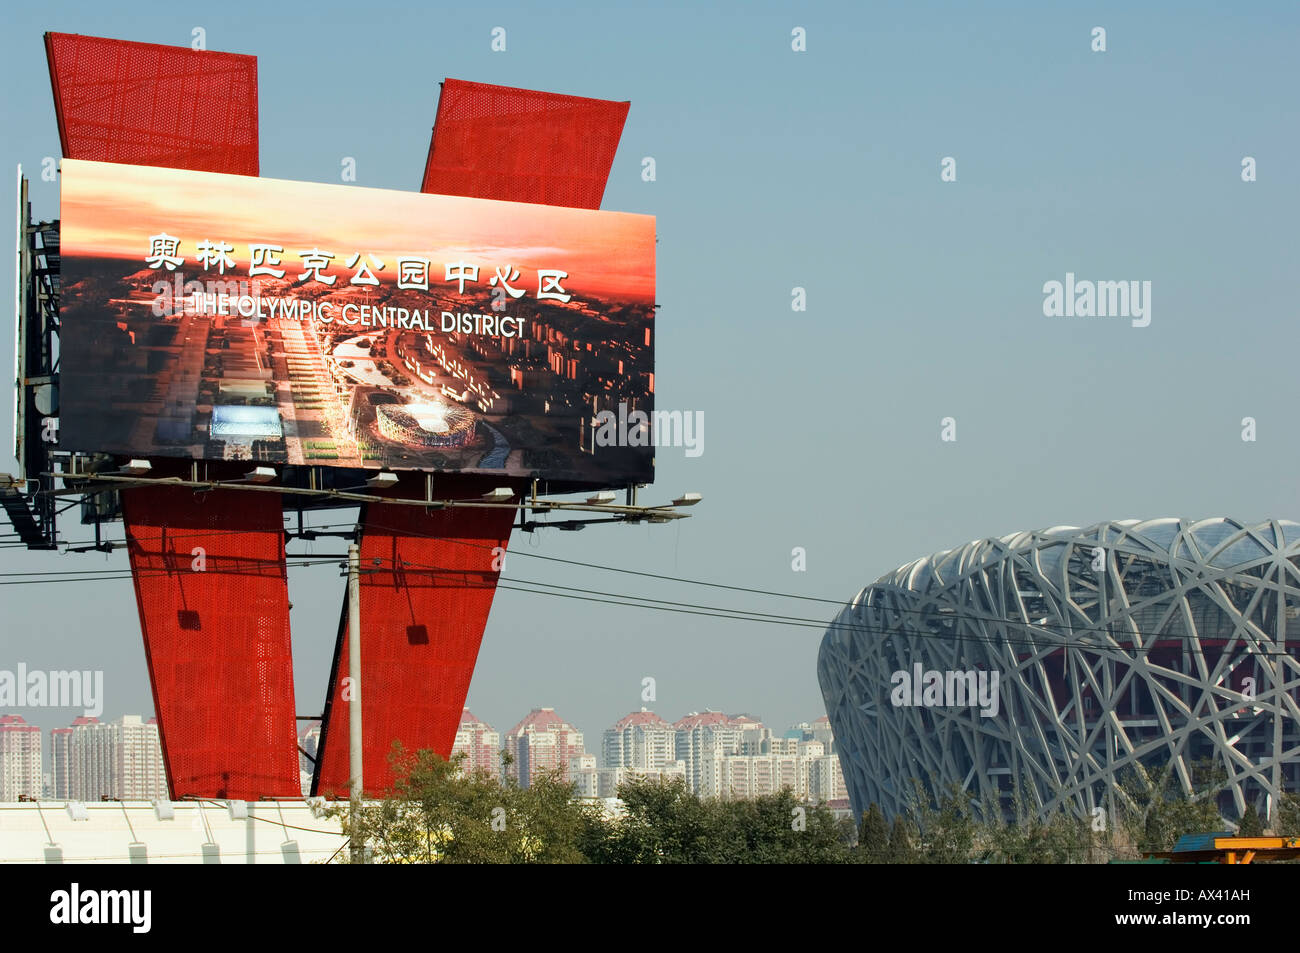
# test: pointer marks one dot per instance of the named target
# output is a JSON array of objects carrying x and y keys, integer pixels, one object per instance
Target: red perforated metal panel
[
  {"x": 522, "y": 145},
  {"x": 146, "y": 104},
  {"x": 426, "y": 589},
  {"x": 210, "y": 582}
]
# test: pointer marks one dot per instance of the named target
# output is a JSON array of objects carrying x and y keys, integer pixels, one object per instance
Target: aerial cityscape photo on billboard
[{"x": 225, "y": 317}]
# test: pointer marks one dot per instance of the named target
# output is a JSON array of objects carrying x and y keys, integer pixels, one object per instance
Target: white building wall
[{"x": 279, "y": 832}]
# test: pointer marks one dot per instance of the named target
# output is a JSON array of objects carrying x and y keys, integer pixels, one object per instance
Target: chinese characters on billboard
[{"x": 227, "y": 317}]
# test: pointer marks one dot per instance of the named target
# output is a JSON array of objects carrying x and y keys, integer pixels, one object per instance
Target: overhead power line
[{"x": 1066, "y": 631}]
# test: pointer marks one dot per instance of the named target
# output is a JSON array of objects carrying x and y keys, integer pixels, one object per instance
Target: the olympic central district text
[{"x": 358, "y": 315}]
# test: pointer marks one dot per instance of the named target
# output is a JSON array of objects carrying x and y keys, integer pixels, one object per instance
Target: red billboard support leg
[
  {"x": 211, "y": 586},
  {"x": 427, "y": 581}
]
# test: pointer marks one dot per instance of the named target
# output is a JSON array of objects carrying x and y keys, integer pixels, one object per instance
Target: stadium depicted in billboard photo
[{"x": 1053, "y": 662}]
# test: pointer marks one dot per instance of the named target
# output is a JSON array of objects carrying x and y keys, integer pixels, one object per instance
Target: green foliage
[
  {"x": 1030, "y": 836},
  {"x": 436, "y": 815},
  {"x": 664, "y": 823},
  {"x": 1288, "y": 816},
  {"x": 1157, "y": 809},
  {"x": 1056, "y": 839},
  {"x": 1251, "y": 825},
  {"x": 942, "y": 824},
  {"x": 873, "y": 836},
  {"x": 901, "y": 850}
]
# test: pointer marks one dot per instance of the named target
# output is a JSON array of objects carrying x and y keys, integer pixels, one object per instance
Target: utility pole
[{"x": 354, "y": 704}]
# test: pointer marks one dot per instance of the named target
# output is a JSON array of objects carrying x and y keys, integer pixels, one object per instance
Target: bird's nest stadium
[
  {"x": 426, "y": 425},
  {"x": 1050, "y": 663}
]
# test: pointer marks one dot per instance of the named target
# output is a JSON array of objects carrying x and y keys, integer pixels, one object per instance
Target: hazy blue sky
[{"x": 818, "y": 169}]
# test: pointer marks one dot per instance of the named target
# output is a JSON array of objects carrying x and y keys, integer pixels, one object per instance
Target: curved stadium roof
[{"x": 1123, "y": 644}]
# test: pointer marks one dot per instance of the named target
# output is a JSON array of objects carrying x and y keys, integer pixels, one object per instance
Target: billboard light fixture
[
  {"x": 601, "y": 498},
  {"x": 258, "y": 479}
]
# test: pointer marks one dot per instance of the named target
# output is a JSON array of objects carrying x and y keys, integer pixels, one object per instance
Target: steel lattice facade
[{"x": 1127, "y": 644}]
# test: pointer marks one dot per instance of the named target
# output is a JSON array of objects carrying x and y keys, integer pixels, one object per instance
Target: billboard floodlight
[
  {"x": 499, "y": 495},
  {"x": 382, "y": 481},
  {"x": 135, "y": 468},
  {"x": 601, "y": 498},
  {"x": 687, "y": 499},
  {"x": 260, "y": 475}
]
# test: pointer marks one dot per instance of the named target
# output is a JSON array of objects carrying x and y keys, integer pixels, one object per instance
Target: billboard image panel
[{"x": 223, "y": 317}]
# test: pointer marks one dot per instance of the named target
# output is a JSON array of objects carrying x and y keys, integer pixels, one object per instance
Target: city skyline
[
  {"x": 93, "y": 776},
  {"x": 712, "y": 753},
  {"x": 88, "y": 760}
]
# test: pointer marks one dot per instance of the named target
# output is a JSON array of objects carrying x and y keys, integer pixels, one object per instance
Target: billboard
[{"x": 224, "y": 317}]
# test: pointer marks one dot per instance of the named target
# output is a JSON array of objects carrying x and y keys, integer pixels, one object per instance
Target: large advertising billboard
[{"x": 226, "y": 317}]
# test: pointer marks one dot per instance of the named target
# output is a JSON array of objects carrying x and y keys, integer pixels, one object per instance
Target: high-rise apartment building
[
  {"x": 640, "y": 740},
  {"x": 584, "y": 775},
  {"x": 709, "y": 734},
  {"x": 542, "y": 741},
  {"x": 20, "y": 758},
  {"x": 119, "y": 759},
  {"x": 817, "y": 730},
  {"x": 480, "y": 743}
]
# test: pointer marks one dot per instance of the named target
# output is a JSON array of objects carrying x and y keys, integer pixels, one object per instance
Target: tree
[
  {"x": 900, "y": 849},
  {"x": 942, "y": 824},
  {"x": 1251, "y": 825},
  {"x": 664, "y": 823},
  {"x": 1157, "y": 808},
  {"x": 873, "y": 836},
  {"x": 1288, "y": 816},
  {"x": 1057, "y": 838},
  {"x": 1025, "y": 834},
  {"x": 778, "y": 829},
  {"x": 437, "y": 814}
]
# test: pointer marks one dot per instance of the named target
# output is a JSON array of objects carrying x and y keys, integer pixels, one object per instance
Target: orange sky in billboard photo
[{"x": 110, "y": 210}]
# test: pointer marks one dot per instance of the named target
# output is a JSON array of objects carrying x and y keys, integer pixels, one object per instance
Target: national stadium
[{"x": 1129, "y": 645}]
